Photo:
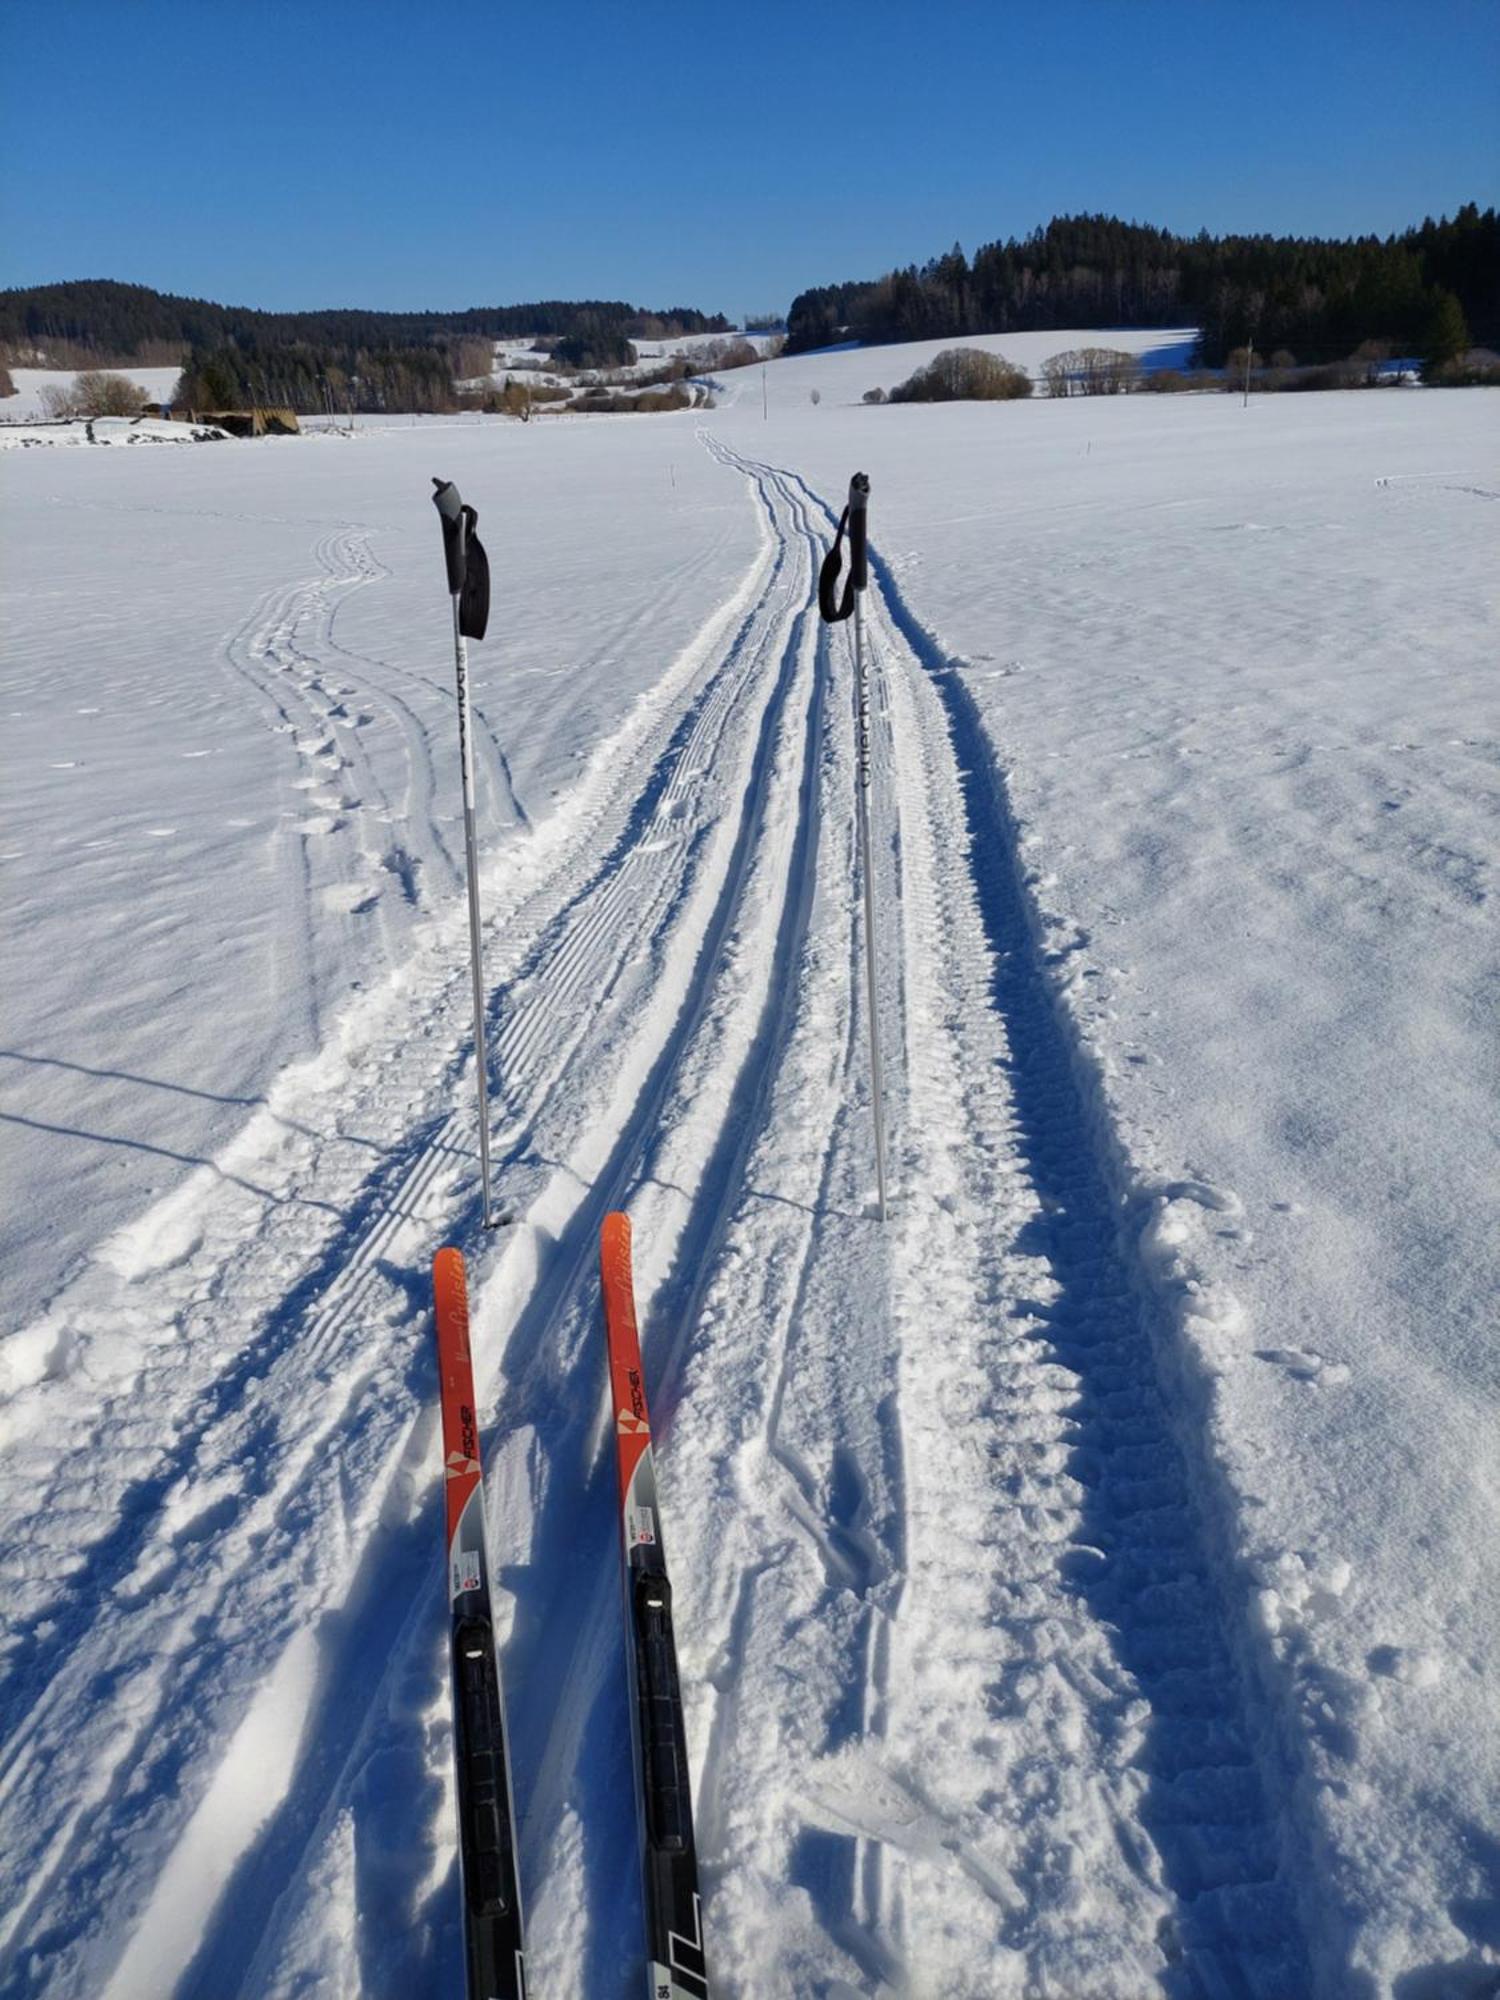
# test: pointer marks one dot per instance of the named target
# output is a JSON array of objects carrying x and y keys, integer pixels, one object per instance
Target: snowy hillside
[
  {"x": 843, "y": 374},
  {"x": 1085, "y": 1583}
]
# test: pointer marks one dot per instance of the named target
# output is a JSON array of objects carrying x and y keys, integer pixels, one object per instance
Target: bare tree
[
  {"x": 58, "y": 400},
  {"x": 93, "y": 395}
]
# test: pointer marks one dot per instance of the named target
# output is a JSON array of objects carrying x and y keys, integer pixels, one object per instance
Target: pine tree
[{"x": 1447, "y": 334}]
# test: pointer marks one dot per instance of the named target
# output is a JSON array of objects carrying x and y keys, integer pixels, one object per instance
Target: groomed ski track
[{"x": 969, "y": 1713}]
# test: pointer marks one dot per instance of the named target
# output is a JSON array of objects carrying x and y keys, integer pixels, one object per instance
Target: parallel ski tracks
[
  {"x": 315, "y": 1331},
  {"x": 995, "y": 1484},
  {"x": 679, "y": 1023}
]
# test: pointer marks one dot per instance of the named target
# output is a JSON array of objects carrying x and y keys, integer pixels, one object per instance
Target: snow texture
[{"x": 1086, "y": 1582}]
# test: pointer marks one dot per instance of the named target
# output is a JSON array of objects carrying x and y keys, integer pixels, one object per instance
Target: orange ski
[
  {"x": 486, "y": 1815},
  {"x": 675, "y": 1965}
]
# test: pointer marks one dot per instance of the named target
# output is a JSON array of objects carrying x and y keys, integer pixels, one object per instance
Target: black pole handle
[
  {"x": 451, "y": 509},
  {"x": 468, "y": 565},
  {"x": 859, "y": 501},
  {"x": 834, "y": 608}
]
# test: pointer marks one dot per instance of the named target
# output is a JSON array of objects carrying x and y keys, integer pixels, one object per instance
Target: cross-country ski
[
  {"x": 676, "y": 1964},
  {"x": 493, "y": 1938}
]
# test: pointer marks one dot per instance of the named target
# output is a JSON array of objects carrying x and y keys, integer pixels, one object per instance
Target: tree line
[
  {"x": 119, "y": 321},
  {"x": 372, "y": 358},
  {"x": 1317, "y": 298},
  {"x": 299, "y": 376}
]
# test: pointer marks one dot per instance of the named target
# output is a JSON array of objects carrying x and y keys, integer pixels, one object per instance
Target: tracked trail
[
  {"x": 964, "y": 1700},
  {"x": 969, "y": 1593},
  {"x": 290, "y": 1319}
]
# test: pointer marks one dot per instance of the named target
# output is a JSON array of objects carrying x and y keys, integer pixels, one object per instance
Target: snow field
[
  {"x": 1237, "y": 668},
  {"x": 1056, "y": 1595},
  {"x": 235, "y": 800}
]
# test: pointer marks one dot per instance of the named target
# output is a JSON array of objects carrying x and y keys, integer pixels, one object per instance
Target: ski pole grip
[
  {"x": 451, "y": 512},
  {"x": 859, "y": 501}
]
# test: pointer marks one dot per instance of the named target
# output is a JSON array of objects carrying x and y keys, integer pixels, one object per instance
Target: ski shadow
[{"x": 390, "y": 1807}]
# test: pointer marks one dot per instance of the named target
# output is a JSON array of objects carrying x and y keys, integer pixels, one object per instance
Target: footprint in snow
[
  {"x": 1304, "y": 1365},
  {"x": 1405, "y": 1664},
  {"x": 350, "y": 898}
]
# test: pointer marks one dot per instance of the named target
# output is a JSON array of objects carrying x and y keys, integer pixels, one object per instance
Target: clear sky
[{"x": 287, "y": 153}]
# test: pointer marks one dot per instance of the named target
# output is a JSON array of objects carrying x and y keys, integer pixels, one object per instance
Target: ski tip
[
  {"x": 614, "y": 1267},
  {"x": 448, "y": 1279}
]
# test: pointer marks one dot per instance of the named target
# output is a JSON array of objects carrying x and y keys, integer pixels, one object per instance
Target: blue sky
[{"x": 725, "y": 156}]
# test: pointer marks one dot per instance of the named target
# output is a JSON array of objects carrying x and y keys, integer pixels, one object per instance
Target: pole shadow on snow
[
  {"x": 268, "y": 1195},
  {"x": 1141, "y": 1564},
  {"x": 256, "y": 1103},
  {"x": 125, "y": 1076}
]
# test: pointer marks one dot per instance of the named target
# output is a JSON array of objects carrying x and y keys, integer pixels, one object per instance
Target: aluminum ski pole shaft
[
  {"x": 476, "y": 947},
  {"x": 834, "y": 608},
  {"x": 862, "y": 718}
]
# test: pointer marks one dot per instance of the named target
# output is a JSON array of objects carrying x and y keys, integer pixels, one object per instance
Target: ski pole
[
  {"x": 835, "y": 610},
  {"x": 469, "y": 587}
]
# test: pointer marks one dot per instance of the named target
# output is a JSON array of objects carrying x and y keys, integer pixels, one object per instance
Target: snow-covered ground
[
  {"x": 1086, "y": 1583},
  {"x": 106, "y": 430}
]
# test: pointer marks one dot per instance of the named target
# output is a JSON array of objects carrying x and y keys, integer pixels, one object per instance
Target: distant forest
[
  {"x": 124, "y": 322},
  {"x": 366, "y": 360},
  {"x": 1317, "y": 299}
]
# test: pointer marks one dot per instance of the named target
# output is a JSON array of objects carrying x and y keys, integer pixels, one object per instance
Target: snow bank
[{"x": 107, "y": 431}]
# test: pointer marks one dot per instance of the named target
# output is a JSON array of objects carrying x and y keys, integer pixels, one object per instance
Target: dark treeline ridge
[
  {"x": 1315, "y": 297},
  {"x": 297, "y": 376},
  {"x": 390, "y": 360}
]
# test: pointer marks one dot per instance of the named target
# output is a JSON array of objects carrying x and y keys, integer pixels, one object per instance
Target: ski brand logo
[
  {"x": 637, "y": 1397},
  {"x": 459, "y": 1467},
  {"x": 468, "y": 1435},
  {"x": 632, "y": 1425},
  {"x": 688, "y": 1965}
]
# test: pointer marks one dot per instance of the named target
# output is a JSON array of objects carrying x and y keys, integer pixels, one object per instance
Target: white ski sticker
[{"x": 640, "y": 1526}]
